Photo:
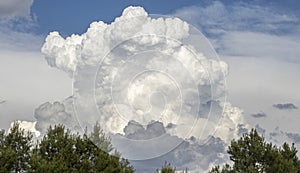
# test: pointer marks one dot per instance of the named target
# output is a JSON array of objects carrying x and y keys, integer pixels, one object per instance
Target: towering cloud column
[{"x": 146, "y": 79}]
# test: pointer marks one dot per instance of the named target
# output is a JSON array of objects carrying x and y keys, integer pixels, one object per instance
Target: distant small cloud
[
  {"x": 285, "y": 106},
  {"x": 294, "y": 136},
  {"x": 2, "y": 101},
  {"x": 259, "y": 129},
  {"x": 259, "y": 115},
  {"x": 170, "y": 125}
]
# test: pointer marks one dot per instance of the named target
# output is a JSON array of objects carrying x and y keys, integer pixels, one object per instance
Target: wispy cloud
[
  {"x": 15, "y": 8},
  {"x": 19, "y": 41},
  {"x": 17, "y": 25},
  {"x": 260, "y": 45},
  {"x": 217, "y": 17},
  {"x": 245, "y": 29}
]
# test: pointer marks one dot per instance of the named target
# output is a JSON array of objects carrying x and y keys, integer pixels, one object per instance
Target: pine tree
[
  {"x": 100, "y": 139},
  {"x": 251, "y": 154},
  {"x": 61, "y": 151},
  {"x": 15, "y": 149},
  {"x": 54, "y": 152},
  {"x": 168, "y": 168}
]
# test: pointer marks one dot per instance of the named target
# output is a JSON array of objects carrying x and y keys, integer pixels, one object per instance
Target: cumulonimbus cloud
[{"x": 145, "y": 79}]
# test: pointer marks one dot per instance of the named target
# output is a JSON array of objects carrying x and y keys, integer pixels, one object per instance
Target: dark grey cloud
[
  {"x": 49, "y": 114},
  {"x": 2, "y": 101},
  {"x": 190, "y": 153},
  {"x": 259, "y": 115},
  {"x": 285, "y": 106},
  {"x": 170, "y": 125},
  {"x": 136, "y": 131}
]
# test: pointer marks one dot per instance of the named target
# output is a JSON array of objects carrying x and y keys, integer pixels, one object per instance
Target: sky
[{"x": 258, "y": 40}]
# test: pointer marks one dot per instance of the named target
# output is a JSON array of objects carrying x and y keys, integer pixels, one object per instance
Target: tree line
[{"x": 61, "y": 151}]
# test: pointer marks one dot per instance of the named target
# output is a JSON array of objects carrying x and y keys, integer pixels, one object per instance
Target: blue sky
[
  {"x": 70, "y": 17},
  {"x": 75, "y": 16},
  {"x": 258, "y": 39}
]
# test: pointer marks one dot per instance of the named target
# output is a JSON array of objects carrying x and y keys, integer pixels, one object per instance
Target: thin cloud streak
[
  {"x": 285, "y": 106},
  {"x": 259, "y": 115}
]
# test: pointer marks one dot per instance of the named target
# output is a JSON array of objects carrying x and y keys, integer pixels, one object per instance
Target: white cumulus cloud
[
  {"x": 146, "y": 80},
  {"x": 28, "y": 127}
]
